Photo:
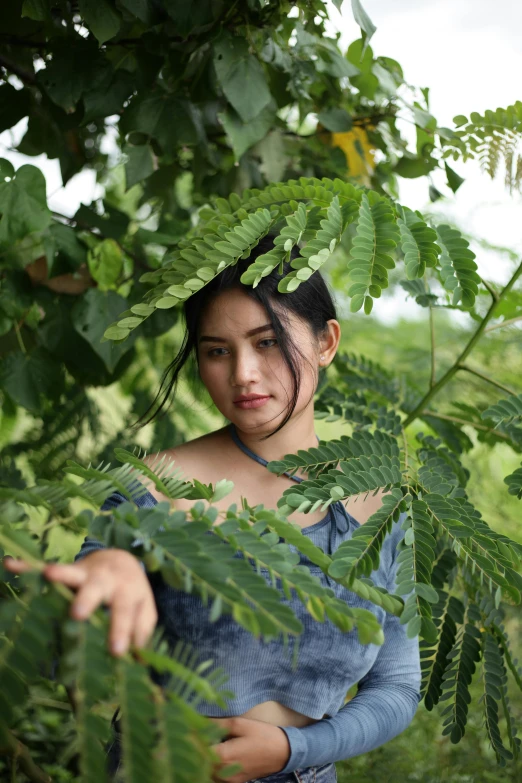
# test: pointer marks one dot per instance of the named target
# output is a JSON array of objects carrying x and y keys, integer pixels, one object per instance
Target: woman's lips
[{"x": 252, "y": 403}]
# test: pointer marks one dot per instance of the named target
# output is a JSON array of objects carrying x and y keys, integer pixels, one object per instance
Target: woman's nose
[{"x": 245, "y": 369}]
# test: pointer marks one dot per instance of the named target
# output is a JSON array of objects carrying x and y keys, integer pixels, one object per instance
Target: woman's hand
[
  {"x": 113, "y": 577},
  {"x": 260, "y": 748}
]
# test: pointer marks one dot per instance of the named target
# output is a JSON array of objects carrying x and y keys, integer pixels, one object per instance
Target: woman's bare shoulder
[{"x": 193, "y": 458}]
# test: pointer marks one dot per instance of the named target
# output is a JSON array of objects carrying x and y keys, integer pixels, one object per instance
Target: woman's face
[{"x": 233, "y": 362}]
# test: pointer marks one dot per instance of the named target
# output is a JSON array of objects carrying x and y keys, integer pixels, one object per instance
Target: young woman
[{"x": 259, "y": 354}]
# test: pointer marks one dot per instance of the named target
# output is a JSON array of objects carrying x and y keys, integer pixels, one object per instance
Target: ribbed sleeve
[
  {"x": 88, "y": 546},
  {"x": 384, "y": 706}
]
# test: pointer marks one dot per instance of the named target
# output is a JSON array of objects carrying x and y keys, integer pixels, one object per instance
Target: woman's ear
[{"x": 329, "y": 342}]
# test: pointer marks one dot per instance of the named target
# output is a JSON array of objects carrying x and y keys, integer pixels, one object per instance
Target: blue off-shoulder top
[{"x": 329, "y": 660}]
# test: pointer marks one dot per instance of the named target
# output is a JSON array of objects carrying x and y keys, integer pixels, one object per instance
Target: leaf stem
[{"x": 19, "y": 338}]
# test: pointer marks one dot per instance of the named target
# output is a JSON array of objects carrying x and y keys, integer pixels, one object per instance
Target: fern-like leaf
[
  {"x": 376, "y": 235},
  {"x": 418, "y": 242},
  {"x": 458, "y": 674},
  {"x": 458, "y": 270}
]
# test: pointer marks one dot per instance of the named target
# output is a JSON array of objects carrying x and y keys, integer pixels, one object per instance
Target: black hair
[{"x": 311, "y": 301}]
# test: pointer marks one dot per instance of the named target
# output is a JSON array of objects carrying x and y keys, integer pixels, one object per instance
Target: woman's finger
[
  {"x": 144, "y": 623},
  {"x": 122, "y": 623},
  {"x": 16, "y": 566},
  {"x": 90, "y": 596},
  {"x": 70, "y": 575}
]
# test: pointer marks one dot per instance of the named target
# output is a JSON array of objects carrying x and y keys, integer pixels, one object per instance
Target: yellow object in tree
[{"x": 360, "y": 154}]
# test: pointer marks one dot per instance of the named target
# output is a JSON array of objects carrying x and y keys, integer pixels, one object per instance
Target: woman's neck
[{"x": 296, "y": 434}]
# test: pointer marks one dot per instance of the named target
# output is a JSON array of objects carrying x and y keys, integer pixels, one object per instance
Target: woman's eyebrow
[{"x": 257, "y": 330}]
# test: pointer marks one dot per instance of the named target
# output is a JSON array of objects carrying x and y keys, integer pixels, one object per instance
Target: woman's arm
[{"x": 383, "y": 707}]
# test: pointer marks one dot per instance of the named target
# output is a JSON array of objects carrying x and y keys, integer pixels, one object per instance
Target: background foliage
[{"x": 87, "y": 72}]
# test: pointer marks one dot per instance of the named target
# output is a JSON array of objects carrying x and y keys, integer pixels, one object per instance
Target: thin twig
[
  {"x": 432, "y": 335},
  {"x": 465, "y": 421},
  {"x": 490, "y": 289},
  {"x": 487, "y": 378},
  {"x": 504, "y": 323},
  {"x": 448, "y": 375}
]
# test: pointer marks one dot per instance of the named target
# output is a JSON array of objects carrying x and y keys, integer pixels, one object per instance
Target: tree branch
[
  {"x": 25, "y": 76},
  {"x": 19, "y": 754},
  {"x": 467, "y": 350}
]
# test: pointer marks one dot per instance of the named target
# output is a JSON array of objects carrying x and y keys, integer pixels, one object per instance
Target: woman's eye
[{"x": 212, "y": 352}]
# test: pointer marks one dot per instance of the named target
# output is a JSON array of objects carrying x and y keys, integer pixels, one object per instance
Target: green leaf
[
  {"x": 73, "y": 71},
  {"x": 360, "y": 55},
  {"x": 243, "y": 135},
  {"x": 240, "y": 75},
  {"x": 116, "y": 333},
  {"x": 154, "y": 115},
  {"x": 221, "y": 490},
  {"x": 106, "y": 264},
  {"x": 272, "y": 152},
  {"x": 92, "y": 315},
  {"x": 108, "y": 96},
  {"x": 166, "y": 302},
  {"x": 23, "y": 205},
  {"x": 112, "y": 224},
  {"x": 423, "y": 118},
  {"x": 6, "y": 169},
  {"x": 363, "y": 20},
  {"x": 37, "y": 10},
  {"x": 434, "y": 194},
  {"x": 101, "y": 18},
  {"x": 139, "y": 8},
  {"x": 336, "y": 120},
  {"x": 412, "y": 167},
  {"x": 191, "y": 17},
  {"x": 30, "y": 378},
  {"x": 426, "y": 591},
  {"x": 453, "y": 179},
  {"x": 460, "y": 119},
  {"x": 63, "y": 249},
  {"x": 139, "y": 165}
]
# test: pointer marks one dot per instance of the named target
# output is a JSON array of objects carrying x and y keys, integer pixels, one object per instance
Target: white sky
[{"x": 468, "y": 53}]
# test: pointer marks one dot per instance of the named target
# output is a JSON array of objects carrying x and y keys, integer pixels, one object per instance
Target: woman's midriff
[{"x": 278, "y": 715}]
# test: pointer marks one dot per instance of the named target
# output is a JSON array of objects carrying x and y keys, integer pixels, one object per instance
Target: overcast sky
[{"x": 468, "y": 52}]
